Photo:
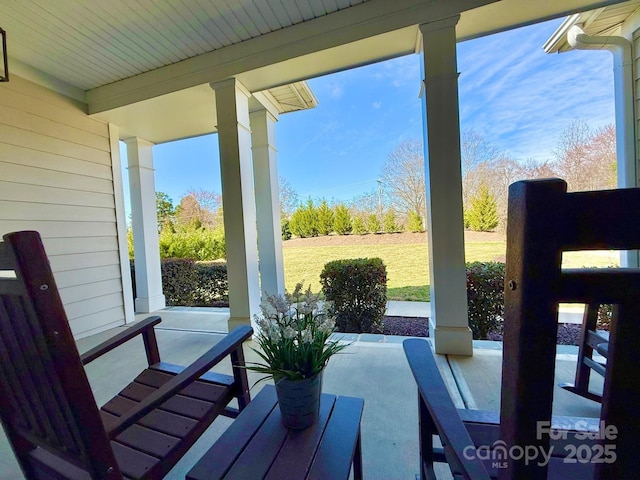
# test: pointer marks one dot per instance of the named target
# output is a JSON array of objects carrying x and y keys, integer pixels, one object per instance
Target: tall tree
[
  {"x": 572, "y": 155},
  {"x": 477, "y": 155},
  {"x": 365, "y": 204},
  {"x": 288, "y": 198},
  {"x": 200, "y": 208},
  {"x": 403, "y": 177},
  {"x": 586, "y": 159},
  {"x": 165, "y": 210}
]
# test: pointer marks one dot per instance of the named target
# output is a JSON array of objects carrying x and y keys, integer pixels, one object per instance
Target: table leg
[{"x": 357, "y": 459}]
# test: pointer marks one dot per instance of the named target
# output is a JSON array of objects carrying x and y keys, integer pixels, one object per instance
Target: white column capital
[
  {"x": 441, "y": 24},
  {"x": 138, "y": 141},
  {"x": 232, "y": 105},
  {"x": 265, "y": 101},
  {"x": 139, "y": 153},
  {"x": 230, "y": 83},
  {"x": 263, "y": 112}
]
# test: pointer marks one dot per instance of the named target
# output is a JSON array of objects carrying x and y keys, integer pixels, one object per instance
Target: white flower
[
  {"x": 305, "y": 309},
  {"x": 274, "y": 334},
  {"x": 327, "y": 326},
  {"x": 307, "y": 336},
  {"x": 289, "y": 332}
]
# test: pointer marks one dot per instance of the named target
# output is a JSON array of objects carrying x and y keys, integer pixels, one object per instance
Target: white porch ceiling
[
  {"x": 91, "y": 43},
  {"x": 146, "y": 64}
]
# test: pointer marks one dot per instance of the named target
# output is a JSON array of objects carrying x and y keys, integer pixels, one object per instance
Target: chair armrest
[
  {"x": 144, "y": 327},
  {"x": 214, "y": 355},
  {"x": 444, "y": 415}
]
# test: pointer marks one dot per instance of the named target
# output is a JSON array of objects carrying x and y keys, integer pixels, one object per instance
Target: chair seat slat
[
  {"x": 134, "y": 464},
  {"x": 148, "y": 441}
]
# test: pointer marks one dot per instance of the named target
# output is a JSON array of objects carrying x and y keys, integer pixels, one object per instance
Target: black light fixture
[{"x": 4, "y": 73}]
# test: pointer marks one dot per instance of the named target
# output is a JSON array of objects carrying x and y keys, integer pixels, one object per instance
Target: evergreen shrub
[
  {"x": 485, "y": 298},
  {"x": 359, "y": 227},
  {"x": 304, "y": 221},
  {"x": 390, "y": 224},
  {"x": 187, "y": 283},
  {"x": 202, "y": 243},
  {"x": 482, "y": 215},
  {"x": 373, "y": 223},
  {"x": 342, "y": 223},
  {"x": 357, "y": 290},
  {"x": 286, "y": 230},
  {"x": 212, "y": 287},
  {"x": 179, "y": 280},
  {"x": 325, "y": 218},
  {"x": 415, "y": 222}
]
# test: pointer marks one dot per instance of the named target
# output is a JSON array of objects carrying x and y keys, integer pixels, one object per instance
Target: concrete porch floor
[{"x": 372, "y": 367}]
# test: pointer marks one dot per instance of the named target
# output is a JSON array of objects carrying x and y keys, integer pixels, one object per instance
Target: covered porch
[
  {"x": 231, "y": 71},
  {"x": 373, "y": 367}
]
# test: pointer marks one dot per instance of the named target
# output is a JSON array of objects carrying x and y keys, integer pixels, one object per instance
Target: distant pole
[{"x": 379, "y": 197}]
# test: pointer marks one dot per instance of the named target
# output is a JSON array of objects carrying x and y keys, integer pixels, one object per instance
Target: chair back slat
[
  {"x": 33, "y": 367},
  {"x": 6, "y": 262},
  {"x": 46, "y": 398},
  {"x": 600, "y": 285},
  {"x": 545, "y": 221},
  {"x": 600, "y": 221}
]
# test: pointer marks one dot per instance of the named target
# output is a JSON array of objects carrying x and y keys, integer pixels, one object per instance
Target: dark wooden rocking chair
[
  {"x": 47, "y": 407},
  {"x": 545, "y": 220}
]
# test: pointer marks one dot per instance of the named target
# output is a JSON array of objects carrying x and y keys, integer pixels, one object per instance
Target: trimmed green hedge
[
  {"x": 485, "y": 298},
  {"x": 179, "y": 279},
  {"x": 357, "y": 289},
  {"x": 213, "y": 287},
  {"x": 187, "y": 283}
]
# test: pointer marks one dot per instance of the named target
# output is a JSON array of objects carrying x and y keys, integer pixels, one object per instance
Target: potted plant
[{"x": 295, "y": 348}]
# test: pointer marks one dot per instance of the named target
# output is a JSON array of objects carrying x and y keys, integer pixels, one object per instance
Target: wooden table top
[{"x": 257, "y": 445}]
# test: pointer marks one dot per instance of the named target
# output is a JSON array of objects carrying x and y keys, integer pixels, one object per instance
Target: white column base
[
  {"x": 151, "y": 304},
  {"x": 234, "y": 322},
  {"x": 451, "y": 340}
]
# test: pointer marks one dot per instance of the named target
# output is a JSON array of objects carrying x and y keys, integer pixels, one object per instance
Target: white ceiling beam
[{"x": 355, "y": 23}]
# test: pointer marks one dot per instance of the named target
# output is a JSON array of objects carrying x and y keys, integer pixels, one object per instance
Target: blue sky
[{"x": 511, "y": 92}]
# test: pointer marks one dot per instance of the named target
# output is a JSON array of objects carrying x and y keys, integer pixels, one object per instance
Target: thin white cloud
[{"x": 521, "y": 99}]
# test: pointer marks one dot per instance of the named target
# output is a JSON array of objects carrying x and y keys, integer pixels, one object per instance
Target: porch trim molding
[{"x": 121, "y": 225}]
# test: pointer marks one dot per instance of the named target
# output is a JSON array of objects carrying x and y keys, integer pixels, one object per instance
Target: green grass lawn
[{"x": 407, "y": 265}]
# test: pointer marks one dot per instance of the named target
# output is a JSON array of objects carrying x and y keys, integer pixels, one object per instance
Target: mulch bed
[{"x": 568, "y": 333}]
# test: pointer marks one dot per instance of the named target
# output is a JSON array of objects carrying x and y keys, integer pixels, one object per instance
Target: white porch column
[
  {"x": 238, "y": 200},
  {"x": 145, "y": 226},
  {"x": 449, "y": 317},
  {"x": 265, "y": 171}
]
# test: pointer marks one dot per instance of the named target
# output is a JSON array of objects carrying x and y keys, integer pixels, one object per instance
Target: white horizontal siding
[
  {"x": 54, "y": 195},
  {"x": 56, "y": 178},
  {"x": 85, "y": 276}
]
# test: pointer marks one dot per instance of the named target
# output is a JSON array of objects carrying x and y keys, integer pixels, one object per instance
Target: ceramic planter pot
[{"x": 299, "y": 401}]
